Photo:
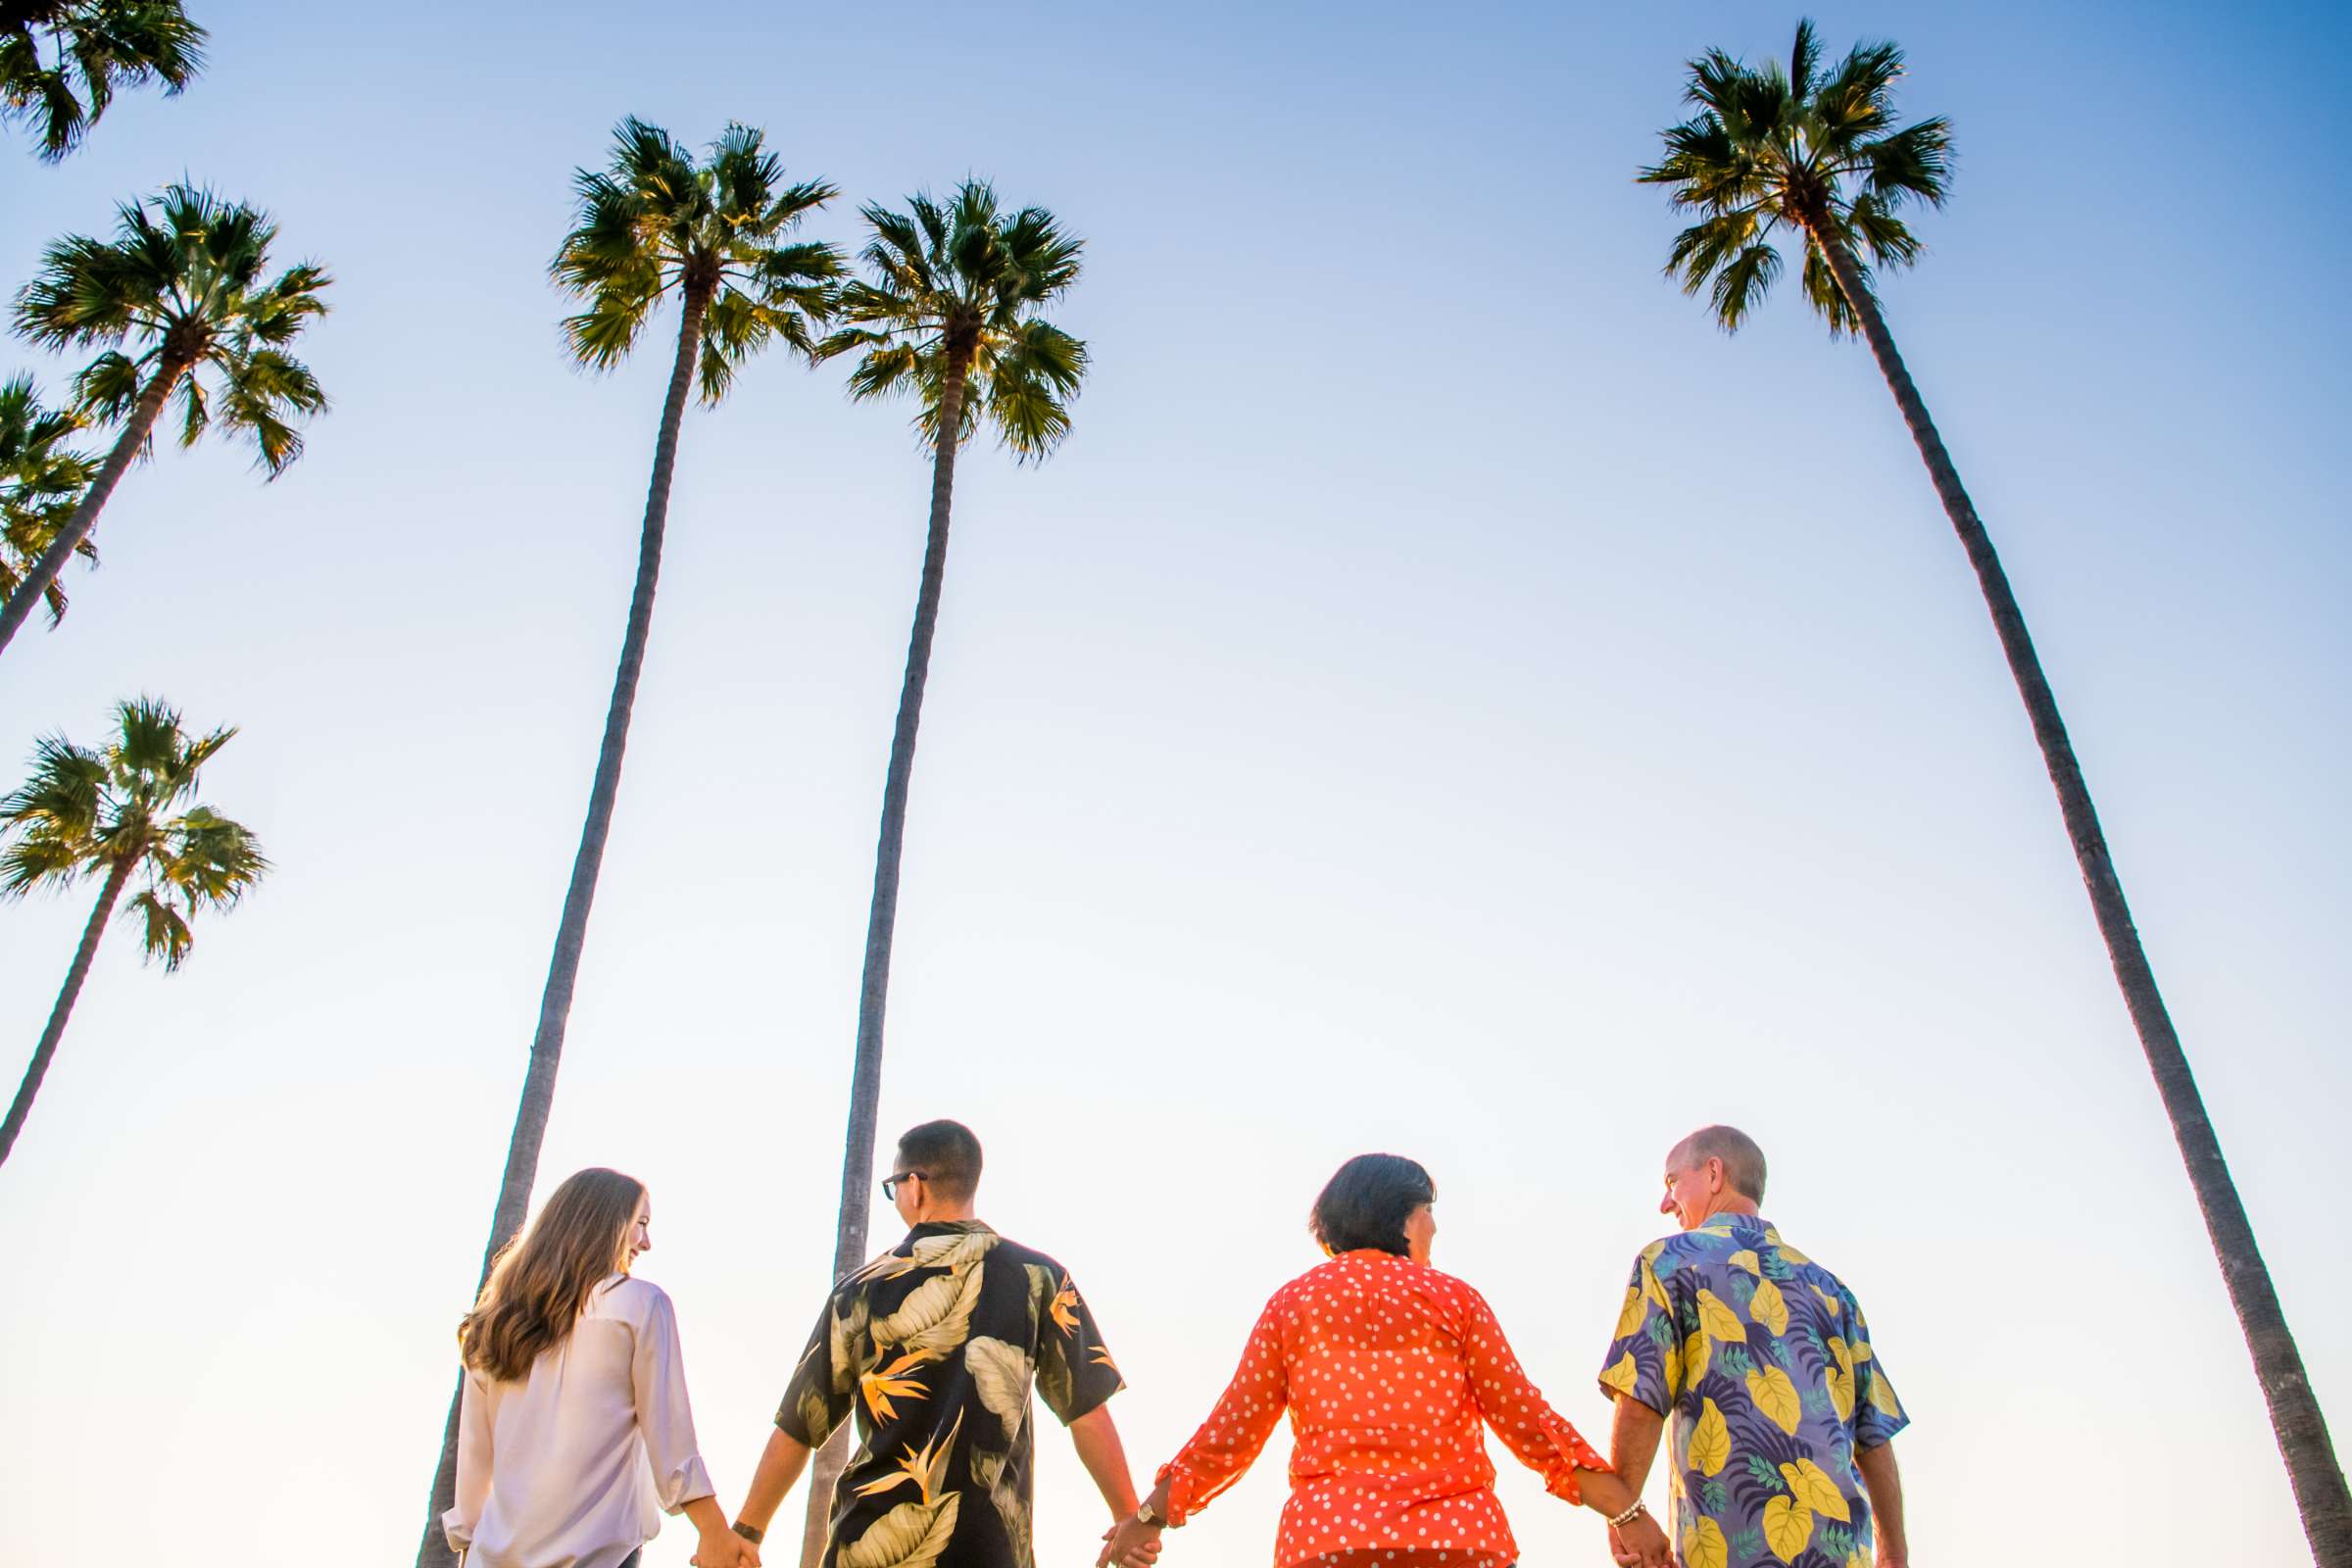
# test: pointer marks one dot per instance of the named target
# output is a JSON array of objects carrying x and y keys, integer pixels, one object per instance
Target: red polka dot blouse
[{"x": 1387, "y": 1369}]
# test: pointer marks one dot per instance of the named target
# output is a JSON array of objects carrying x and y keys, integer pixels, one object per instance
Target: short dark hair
[
  {"x": 948, "y": 1156},
  {"x": 1367, "y": 1201}
]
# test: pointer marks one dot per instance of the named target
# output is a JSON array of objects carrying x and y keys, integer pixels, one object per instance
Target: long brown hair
[{"x": 542, "y": 1278}]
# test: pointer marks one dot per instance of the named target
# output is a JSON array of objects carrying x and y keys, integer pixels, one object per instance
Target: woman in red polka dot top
[{"x": 1388, "y": 1369}]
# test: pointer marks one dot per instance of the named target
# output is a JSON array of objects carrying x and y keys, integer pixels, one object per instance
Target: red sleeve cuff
[
  {"x": 1570, "y": 1454},
  {"x": 1183, "y": 1489}
]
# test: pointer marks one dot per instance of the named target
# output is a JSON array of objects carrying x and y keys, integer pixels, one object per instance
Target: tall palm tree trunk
[
  {"x": 77, "y": 526},
  {"x": 881, "y": 923},
  {"x": 2302, "y": 1432},
  {"x": 571, "y": 932},
  {"x": 21, "y": 1106}
]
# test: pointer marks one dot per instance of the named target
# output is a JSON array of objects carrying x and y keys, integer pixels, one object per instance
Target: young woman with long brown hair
[{"x": 575, "y": 1435}]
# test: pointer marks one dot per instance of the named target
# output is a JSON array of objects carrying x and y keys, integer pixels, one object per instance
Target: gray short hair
[{"x": 1742, "y": 1161}]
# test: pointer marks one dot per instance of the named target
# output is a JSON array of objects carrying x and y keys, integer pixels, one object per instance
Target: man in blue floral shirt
[{"x": 1783, "y": 1416}]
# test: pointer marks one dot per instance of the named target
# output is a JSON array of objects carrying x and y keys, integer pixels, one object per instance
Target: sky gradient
[{"x": 1445, "y": 697}]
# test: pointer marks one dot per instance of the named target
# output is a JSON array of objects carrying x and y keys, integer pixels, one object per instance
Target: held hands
[
  {"x": 1640, "y": 1543},
  {"x": 1129, "y": 1543},
  {"x": 725, "y": 1550}
]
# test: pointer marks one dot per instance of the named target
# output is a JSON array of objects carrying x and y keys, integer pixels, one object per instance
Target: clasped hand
[
  {"x": 1641, "y": 1544},
  {"x": 729, "y": 1551},
  {"x": 1129, "y": 1543}
]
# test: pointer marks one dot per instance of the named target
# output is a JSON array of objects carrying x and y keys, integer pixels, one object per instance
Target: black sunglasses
[{"x": 890, "y": 1184}]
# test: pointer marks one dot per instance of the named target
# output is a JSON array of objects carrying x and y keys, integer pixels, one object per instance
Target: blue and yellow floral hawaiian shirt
[{"x": 1762, "y": 1357}]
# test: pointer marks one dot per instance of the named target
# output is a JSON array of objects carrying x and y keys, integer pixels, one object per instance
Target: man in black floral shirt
[{"x": 934, "y": 1346}]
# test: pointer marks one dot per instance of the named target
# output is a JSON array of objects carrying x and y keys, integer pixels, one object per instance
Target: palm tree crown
[
  {"x": 182, "y": 283},
  {"x": 41, "y": 481},
  {"x": 90, "y": 810},
  {"x": 93, "y": 47},
  {"x": 656, "y": 221},
  {"x": 1817, "y": 153},
  {"x": 951, "y": 296}
]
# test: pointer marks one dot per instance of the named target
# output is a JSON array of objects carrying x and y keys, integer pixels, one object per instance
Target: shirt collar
[{"x": 949, "y": 1227}]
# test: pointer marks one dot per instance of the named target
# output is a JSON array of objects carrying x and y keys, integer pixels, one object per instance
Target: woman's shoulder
[{"x": 627, "y": 1295}]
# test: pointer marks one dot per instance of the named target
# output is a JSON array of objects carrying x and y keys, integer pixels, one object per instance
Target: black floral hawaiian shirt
[{"x": 935, "y": 1346}]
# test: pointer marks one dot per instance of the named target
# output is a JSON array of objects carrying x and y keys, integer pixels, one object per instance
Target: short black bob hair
[{"x": 1367, "y": 1201}]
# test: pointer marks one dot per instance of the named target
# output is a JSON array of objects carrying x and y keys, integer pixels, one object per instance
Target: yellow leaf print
[
  {"x": 1745, "y": 1259},
  {"x": 1853, "y": 1560},
  {"x": 1697, "y": 1349},
  {"x": 1812, "y": 1486},
  {"x": 1775, "y": 1397},
  {"x": 1768, "y": 1307},
  {"x": 1846, "y": 1356},
  {"x": 1630, "y": 1315},
  {"x": 893, "y": 1382},
  {"x": 1703, "y": 1545},
  {"x": 1861, "y": 1351},
  {"x": 1840, "y": 1381},
  {"x": 1673, "y": 1372},
  {"x": 1789, "y": 1255},
  {"x": 1829, "y": 1304},
  {"x": 1622, "y": 1377},
  {"x": 1883, "y": 1398},
  {"x": 1719, "y": 1320},
  {"x": 1710, "y": 1441},
  {"x": 1101, "y": 1356},
  {"x": 1654, "y": 1252},
  {"x": 1652, "y": 1289},
  {"x": 1788, "y": 1526}
]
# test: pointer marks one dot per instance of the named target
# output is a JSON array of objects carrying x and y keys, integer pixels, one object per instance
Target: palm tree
[
  {"x": 948, "y": 314},
  {"x": 41, "y": 480},
  {"x": 182, "y": 283},
  {"x": 93, "y": 47},
  {"x": 115, "y": 813},
  {"x": 652, "y": 225},
  {"x": 1817, "y": 155}
]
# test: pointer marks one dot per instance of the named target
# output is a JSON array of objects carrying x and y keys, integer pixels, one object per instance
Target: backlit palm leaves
[
  {"x": 62, "y": 60},
  {"x": 181, "y": 304},
  {"x": 41, "y": 481},
  {"x": 1818, "y": 155},
  {"x": 1811, "y": 154},
  {"x": 121, "y": 812}
]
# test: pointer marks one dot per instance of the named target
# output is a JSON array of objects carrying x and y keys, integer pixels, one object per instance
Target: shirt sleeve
[
  {"x": 1074, "y": 1370},
  {"x": 473, "y": 1463},
  {"x": 817, "y": 1399},
  {"x": 1877, "y": 1413},
  {"x": 1644, "y": 1360},
  {"x": 1539, "y": 1436},
  {"x": 1236, "y": 1429},
  {"x": 658, "y": 1382}
]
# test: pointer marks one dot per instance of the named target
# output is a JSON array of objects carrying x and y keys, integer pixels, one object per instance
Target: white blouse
[{"x": 552, "y": 1472}]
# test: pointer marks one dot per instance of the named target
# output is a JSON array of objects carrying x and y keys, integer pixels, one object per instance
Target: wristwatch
[
  {"x": 1147, "y": 1516},
  {"x": 750, "y": 1533}
]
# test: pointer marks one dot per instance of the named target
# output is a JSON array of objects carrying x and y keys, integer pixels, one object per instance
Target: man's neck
[
  {"x": 963, "y": 1213},
  {"x": 1729, "y": 1205}
]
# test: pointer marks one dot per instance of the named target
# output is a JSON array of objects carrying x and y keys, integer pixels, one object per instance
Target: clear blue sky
[{"x": 1445, "y": 697}]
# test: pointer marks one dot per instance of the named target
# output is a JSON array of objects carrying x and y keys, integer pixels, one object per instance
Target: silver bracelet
[{"x": 1629, "y": 1516}]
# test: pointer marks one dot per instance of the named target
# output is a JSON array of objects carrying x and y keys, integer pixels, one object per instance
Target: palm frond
[
  {"x": 1743, "y": 282},
  {"x": 163, "y": 930}
]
